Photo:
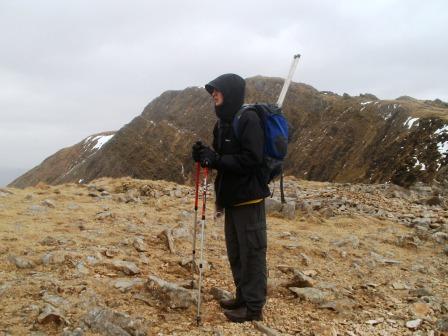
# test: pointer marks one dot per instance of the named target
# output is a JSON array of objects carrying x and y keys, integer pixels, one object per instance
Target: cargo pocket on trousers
[{"x": 256, "y": 239}]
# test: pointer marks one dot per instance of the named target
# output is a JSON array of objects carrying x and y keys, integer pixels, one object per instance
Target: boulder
[
  {"x": 301, "y": 280},
  {"x": 289, "y": 210},
  {"x": 273, "y": 205},
  {"x": 440, "y": 237},
  {"x": 139, "y": 244},
  {"x": 126, "y": 267},
  {"x": 220, "y": 294},
  {"x": 109, "y": 322},
  {"x": 171, "y": 294},
  {"x": 53, "y": 258},
  {"x": 21, "y": 262},
  {"x": 125, "y": 284},
  {"x": 183, "y": 230},
  {"x": 56, "y": 301},
  {"x": 51, "y": 314},
  {"x": 312, "y": 295},
  {"x": 414, "y": 324}
]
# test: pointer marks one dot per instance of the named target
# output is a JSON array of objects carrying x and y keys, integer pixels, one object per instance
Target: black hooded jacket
[{"x": 239, "y": 178}]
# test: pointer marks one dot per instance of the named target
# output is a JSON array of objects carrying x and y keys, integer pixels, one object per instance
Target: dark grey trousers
[{"x": 246, "y": 241}]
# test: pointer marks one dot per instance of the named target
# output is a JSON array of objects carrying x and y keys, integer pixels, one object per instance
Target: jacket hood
[{"x": 233, "y": 89}]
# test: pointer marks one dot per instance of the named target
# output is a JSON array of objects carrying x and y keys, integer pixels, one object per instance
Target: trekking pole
[
  {"x": 195, "y": 223},
  {"x": 201, "y": 254},
  {"x": 288, "y": 79}
]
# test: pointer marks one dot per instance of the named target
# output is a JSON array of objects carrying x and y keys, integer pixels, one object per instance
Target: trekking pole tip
[{"x": 297, "y": 56}]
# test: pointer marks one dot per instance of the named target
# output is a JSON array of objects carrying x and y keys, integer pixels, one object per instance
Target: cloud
[{"x": 72, "y": 68}]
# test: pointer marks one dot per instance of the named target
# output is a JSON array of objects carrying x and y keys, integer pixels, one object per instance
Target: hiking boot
[
  {"x": 231, "y": 304},
  {"x": 243, "y": 314}
]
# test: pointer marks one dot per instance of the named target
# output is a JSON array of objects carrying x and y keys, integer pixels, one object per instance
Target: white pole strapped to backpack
[
  {"x": 288, "y": 79},
  {"x": 281, "y": 98}
]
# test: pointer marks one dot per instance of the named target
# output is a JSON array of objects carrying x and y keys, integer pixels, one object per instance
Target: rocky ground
[{"x": 114, "y": 258}]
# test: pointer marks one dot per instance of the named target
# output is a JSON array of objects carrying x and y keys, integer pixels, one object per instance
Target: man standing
[{"x": 240, "y": 189}]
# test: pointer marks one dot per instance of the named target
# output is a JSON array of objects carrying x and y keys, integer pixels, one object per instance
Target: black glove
[
  {"x": 196, "y": 151},
  {"x": 208, "y": 158}
]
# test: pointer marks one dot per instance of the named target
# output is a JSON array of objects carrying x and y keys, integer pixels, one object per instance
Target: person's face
[{"x": 217, "y": 97}]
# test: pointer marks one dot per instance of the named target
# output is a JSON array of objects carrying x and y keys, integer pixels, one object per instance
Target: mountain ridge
[{"x": 334, "y": 138}]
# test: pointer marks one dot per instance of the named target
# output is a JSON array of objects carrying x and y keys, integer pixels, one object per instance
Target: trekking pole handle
[{"x": 288, "y": 79}]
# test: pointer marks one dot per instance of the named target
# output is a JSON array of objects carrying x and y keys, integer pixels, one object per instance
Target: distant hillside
[
  {"x": 63, "y": 163},
  {"x": 335, "y": 138}
]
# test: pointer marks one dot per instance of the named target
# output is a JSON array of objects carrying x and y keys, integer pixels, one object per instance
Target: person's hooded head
[{"x": 228, "y": 92}]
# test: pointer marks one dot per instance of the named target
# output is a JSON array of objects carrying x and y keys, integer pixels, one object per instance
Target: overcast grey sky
[{"x": 69, "y": 68}]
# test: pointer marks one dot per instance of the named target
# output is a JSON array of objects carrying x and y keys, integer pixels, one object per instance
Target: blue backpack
[{"x": 275, "y": 137}]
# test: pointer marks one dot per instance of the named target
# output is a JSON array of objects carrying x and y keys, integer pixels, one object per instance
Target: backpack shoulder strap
[{"x": 238, "y": 116}]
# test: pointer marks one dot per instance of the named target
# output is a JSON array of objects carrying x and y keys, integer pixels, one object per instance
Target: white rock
[
  {"x": 125, "y": 284},
  {"x": 139, "y": 244},
  {"x": 20, "y": 262},
  {"x": 81, "y": 269},
  {"x": 398, "y": 285},
  {"x": 126, "y": 267},
  {"x": 440, "y": 237},
  {"x": 55, "y": 300},
  {"x": 414, "y": 324}
]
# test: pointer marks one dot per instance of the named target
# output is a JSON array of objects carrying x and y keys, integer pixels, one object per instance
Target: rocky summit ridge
[
  {"x": 334, "y": 138},
  {"x": 113, "y": 257}
]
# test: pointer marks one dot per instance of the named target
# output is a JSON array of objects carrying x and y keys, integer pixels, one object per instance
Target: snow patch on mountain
[
  {"x": 410, "y": 121},
  {"x": 97, "y": 141}
]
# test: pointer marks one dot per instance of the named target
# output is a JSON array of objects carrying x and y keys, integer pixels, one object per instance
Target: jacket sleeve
[{"x": 251, "y": 137}]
